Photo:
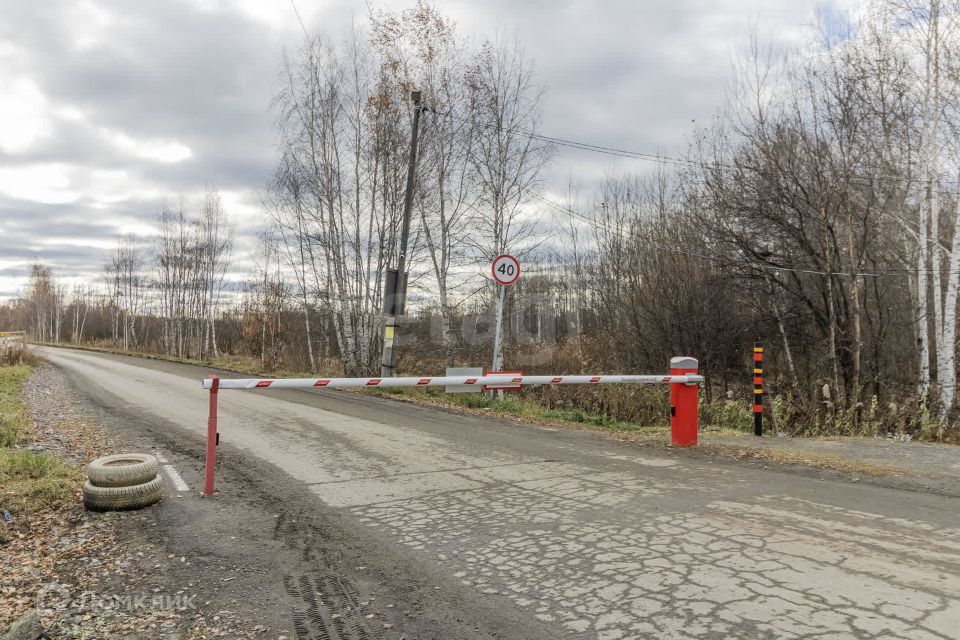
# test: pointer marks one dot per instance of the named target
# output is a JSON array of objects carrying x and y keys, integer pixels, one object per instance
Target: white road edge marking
[
  {"x": 175, "y": 477},
  {"x": 173, "y": 474}
]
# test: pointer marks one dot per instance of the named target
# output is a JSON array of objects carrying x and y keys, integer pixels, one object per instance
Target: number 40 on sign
[{"x": 506, "y": 269}]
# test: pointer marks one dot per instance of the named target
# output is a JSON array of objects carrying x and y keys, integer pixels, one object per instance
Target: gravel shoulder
[
  {"x": 263, "y": 558},
  {"x": 90, "y": 575}
]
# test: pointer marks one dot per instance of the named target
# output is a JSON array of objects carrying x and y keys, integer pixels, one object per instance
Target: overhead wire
[
  {"x": 675, "y": 160},
  {"x": 753, "y": 262}
]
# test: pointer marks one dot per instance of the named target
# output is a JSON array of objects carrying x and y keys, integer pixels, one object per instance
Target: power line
[
  {"x": 678, "y": 161},
  {"x": 754, "y": 262},
  {"x": 300, "y": 20}
]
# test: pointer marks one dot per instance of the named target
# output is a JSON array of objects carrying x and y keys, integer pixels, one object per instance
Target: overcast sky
[{"x": 110, "y": 108}]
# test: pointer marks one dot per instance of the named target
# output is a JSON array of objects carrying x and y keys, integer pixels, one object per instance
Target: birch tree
[
  {"x": 215, "y": 239},
  {"x": 507, "y": 156},
  {"x": 420, "y": 48},
  {"x": 340, "y": 132}
]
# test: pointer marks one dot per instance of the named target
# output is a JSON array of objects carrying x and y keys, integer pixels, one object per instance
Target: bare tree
[
  {"x": 340, "y": 135},
  {"x": 420, "y": 48},
  {"x": 215, "y": 239},
  {"x": 507, "y": 156}
]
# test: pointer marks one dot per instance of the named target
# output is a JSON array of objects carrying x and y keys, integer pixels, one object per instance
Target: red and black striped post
[{"x": 758, "y": 388}]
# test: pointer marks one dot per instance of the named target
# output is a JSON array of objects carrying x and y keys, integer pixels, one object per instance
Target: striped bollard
[
  {"x": 683, "y": 404},
  {"x": 758, "y": 388}
]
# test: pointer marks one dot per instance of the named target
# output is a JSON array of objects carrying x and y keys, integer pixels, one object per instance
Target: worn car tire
[
  {"x": 121, "y": 498},
  {"x": 123, "y": 470}
]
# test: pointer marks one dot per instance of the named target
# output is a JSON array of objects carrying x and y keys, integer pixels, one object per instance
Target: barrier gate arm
[
  {"x": 684, "y": 379},
  {"x": 438, "y": 381}
]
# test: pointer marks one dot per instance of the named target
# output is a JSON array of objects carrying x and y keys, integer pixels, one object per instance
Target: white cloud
[
  {"x": 47, "y": 183},
  {"x": 23, "y": 114},
  {"x": 159, "y": 150},
  {"x": 242, "y": 204},
  {"x": 275, "y": 14},
  {"x": 111, "y": 108},
  {"x": 89, "y": 24},
  {"x": 108, "y": 188}
]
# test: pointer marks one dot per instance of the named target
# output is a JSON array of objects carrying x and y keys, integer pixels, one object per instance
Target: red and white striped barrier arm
[
  {"x": 438, "y": 381},
  {"x": 683, "y": 391}
]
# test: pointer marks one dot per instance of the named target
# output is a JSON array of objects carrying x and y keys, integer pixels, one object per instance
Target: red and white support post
[
  {"x": 683, "y": 403},
  {"x": 212, "y": 439}
]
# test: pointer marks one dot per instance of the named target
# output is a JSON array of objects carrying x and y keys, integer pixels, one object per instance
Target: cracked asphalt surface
[{"x": 583, "y": 537}]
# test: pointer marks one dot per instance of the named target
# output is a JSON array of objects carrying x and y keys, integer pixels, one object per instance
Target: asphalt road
[{"x": 587, "y": 537}]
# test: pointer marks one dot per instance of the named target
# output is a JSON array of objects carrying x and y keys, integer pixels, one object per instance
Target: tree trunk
[{"x": 947, "y": 366}]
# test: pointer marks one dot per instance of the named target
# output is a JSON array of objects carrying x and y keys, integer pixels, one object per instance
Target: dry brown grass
[
  {"x": 16, "y": 354},
  {"x": 803, "y": 458}
]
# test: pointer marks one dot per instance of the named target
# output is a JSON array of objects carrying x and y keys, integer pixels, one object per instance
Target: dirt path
[
  {"x": 911, "y": 465},
  {"x": 474, "y": 527}
]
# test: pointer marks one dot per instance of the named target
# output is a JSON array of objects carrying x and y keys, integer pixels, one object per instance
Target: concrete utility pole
[{"x": 395, "y": 291}]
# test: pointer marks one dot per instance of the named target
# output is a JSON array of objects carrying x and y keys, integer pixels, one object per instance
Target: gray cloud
[{"x": 201, "y": 74}]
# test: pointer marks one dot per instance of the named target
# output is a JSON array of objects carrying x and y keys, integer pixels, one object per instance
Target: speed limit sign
[{"x": 506, "y": 269}]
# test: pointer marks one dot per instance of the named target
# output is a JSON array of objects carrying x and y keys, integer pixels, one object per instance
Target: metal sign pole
[
  {"x": 505, "y": 270},
  {"x": 496, "y": 335}
]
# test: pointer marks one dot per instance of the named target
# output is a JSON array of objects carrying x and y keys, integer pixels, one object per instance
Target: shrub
[
  {"x": 18, "y": 355},
  {"x": 726, "y": 415}
]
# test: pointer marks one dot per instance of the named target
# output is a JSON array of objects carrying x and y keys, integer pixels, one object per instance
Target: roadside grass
[
  {"x": 29, "y": 482},
  {"x": 12, "y": 378},
  {"x": 17, "y": 354},
  {"x": 517, "y": 406},
  {"x": 34, "y": 481}
]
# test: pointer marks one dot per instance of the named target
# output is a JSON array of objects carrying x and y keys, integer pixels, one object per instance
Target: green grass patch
[
  {"x": 34, "y": 481},
  {"x": 11, "y": 408},
  {"x": 29, "y": 482},
  {"x": 726, "y": 415},
  {"x": 514, "y": 405}
]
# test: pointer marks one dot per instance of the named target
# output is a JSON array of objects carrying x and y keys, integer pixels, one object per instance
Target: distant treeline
[{"x": 818, "y": 213}]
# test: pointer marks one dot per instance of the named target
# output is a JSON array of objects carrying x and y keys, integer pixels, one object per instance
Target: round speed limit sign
[{"x": 506, "y": 269}]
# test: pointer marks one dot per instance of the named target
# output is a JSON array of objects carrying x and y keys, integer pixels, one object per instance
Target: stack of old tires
[{"x": 122, "y": 481}]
